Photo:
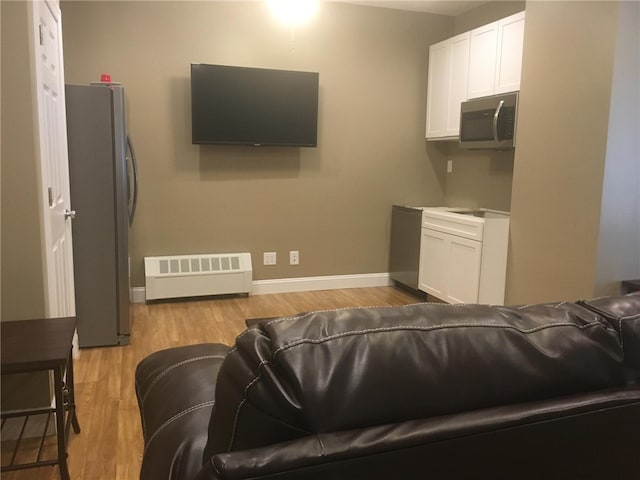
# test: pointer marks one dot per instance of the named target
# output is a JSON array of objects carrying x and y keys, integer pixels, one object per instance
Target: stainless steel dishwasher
[{"x": 404, "y": 255}]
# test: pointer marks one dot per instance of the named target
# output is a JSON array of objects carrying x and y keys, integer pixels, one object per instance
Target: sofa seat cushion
[
  {"x": 354, "y": 368},
  {"x": 176, "y": 390}
]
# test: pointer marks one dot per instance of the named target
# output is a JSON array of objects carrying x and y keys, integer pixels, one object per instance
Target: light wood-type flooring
[{"x": 109, "y": 447}]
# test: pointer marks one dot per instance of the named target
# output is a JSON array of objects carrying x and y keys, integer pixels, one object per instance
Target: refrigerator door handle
[{"x": 134, "y": 169}]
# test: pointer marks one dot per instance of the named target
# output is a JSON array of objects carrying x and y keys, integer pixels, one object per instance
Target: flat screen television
[{"x": 253, "y": 106}]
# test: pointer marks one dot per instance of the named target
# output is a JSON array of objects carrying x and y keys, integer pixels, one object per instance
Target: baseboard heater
[{"x": 180, "y": 276}]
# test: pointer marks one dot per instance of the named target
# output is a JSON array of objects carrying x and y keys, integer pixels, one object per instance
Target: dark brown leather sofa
[{"x": 424, "y": 391}]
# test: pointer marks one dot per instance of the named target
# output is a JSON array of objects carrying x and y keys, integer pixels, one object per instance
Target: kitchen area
[
  {"x": 455, "y": 254},
  {"x": 458, "y": 254}
]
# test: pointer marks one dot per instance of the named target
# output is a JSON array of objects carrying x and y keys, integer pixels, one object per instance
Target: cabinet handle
[{"x": 495, "y": 120}]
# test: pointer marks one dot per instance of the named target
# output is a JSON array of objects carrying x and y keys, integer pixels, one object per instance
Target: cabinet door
[
  {"x": 509, "y": 61},
  {"x": 447, "y": 86},
  {"x": 463, "y": 270},
  {"x": 458, "y": 76},
  {"x": 483, "y": 50},
  {"x": 437, "y": 89},
  {"x": 433, "y": 260}
]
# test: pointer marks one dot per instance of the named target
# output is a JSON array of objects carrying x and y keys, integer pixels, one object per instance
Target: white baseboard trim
[
  {"x": 302, "y": 284},
  {"x": 308, "y": 284},
  {"x": 138, "y": 295}
]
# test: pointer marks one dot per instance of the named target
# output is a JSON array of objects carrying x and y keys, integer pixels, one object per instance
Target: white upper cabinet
[
  {"x": 495, "y": 57},
  {"x": 447, "y": 86},
  {"x": 482, "y": 62},
  {"x": 509, "y": 61},
  {"x": 483, "y": 54}
]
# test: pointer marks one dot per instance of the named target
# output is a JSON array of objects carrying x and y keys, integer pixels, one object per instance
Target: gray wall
[
  {"x": 619, "y": 242},
  {"x": 562, "y": 145},
  {"x": 333, "y": 202}
]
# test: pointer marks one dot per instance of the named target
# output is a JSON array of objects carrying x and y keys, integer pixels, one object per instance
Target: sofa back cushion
[
  {"x": 353, "y": 368},
  {"x": 623, "y": 314}
]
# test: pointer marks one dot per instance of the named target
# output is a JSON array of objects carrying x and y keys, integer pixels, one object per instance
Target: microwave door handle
[{"x": 496, "y": 114}]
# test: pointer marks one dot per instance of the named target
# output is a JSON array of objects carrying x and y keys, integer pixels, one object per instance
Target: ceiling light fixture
[{"x": 293, "y": 12}]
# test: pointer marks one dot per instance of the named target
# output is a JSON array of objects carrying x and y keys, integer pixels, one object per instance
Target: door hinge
[
  {"x": 50, "y": 191},
  {"x": 41, "y": 28}
]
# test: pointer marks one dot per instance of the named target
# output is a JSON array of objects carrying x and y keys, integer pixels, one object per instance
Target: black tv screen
[{"x": 253, "y": 106}]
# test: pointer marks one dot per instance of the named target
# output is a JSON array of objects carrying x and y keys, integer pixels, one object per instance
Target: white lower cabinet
[
  {"x": 463, "y": 256},
  {"x": 433, "y": 254}
]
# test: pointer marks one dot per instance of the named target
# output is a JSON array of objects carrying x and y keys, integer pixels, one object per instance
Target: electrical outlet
[
  {"x": 269, "y": 258},
  {"x": 294, "y": 257},
  {"x": 449, "y": 166}
]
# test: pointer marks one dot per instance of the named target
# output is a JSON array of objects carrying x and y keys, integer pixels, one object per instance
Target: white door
[{"x": 48, "y": 82}]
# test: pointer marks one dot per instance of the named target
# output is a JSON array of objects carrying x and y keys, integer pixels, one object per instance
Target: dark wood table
[{"x": 43, "y": 345}]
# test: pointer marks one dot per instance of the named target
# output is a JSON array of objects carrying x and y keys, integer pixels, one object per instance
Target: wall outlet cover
[{"x": 269, "y": 258}]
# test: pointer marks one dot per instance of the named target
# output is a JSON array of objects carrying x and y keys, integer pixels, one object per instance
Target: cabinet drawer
[{"x": 466, "y": 226}]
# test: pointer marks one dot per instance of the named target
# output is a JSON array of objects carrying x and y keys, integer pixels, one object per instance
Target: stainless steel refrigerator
[{"x": 103, "y": 181}]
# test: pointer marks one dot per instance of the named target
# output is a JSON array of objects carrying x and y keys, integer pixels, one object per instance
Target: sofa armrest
[{"x": 176, "y": 390}]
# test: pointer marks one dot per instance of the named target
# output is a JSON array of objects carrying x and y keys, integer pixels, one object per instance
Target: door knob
[{"x": 69, "y": 214}]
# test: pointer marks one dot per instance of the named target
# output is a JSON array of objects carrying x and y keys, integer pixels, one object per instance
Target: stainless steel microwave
[{"x": 489, "y": 122}]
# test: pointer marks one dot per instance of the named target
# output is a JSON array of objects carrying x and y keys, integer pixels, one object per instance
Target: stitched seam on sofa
[
  {"x": 621, "y": 340},
  {"x": 306, "y": 314},
  {"x": 322, "y": 448},
  {"x": 608, "y": 314},
  {"x": 143, "y": 420},
  {"x": 434, "y": 327},
  {"x": 539, "y": 304},
  {"x": 235, "y": 346},
  {"x": 215, "y": 467},
  {"x": 245, "y": 399},
  {"x": 620, "y": 320},
  {"x": 600, "y": 311},
  {"x": 243, "y": 334},
  {"x": 608, "y": 296},
  {"x": 174, "y": 418},
  {"x": 297, "y": 317},
  {"x": 173, "y": 367},
  {"x": 235, "y": 422}
]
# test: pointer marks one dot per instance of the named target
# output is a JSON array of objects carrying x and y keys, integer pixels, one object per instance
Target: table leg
[
  {"x": 60, "y": 423},
  {"x": 72, "y": 395}
]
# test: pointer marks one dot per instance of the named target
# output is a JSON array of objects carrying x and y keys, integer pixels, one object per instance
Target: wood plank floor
[{"x": 109, "y": 447}]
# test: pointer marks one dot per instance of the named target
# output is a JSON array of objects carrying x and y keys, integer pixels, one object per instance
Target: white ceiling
[{"x": 439, "y": 7}]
